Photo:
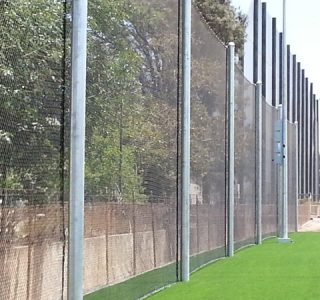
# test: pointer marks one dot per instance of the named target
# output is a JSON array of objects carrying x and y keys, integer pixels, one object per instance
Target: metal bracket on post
[
  {"x": 185, "y": 140},
  {"x": 258, "y": 100},
  {"x": 278, "y": 143},
  {"x": 231, "y": 99}
]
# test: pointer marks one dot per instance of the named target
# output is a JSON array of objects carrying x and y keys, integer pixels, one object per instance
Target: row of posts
[
  {"x": 76, "y": 225},
  {"x": 290, "y": 87}
]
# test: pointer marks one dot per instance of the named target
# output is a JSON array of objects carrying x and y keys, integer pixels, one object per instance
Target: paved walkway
[{"x": 311, "y": 226}]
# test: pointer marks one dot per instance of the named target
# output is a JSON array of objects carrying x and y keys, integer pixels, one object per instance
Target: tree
[
  {"x": 129, "y": 132},
  {"x": 132, "y": 108},
  {"x": 228, "y": 23},
  {"x": 31, "y": 53}
]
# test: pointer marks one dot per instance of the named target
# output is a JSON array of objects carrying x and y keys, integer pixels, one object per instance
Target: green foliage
[
  {"x": 126, "y": 135},
  {"x": 226, "y": 21},
  {"x": 31, "y": 51},
  {"x": 131, "y": 128}
]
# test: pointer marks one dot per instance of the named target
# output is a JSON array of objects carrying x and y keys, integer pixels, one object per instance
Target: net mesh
[
  {"x": 32, "y": 149},
  {"x": 131, "y": 145},
  {"x": 269, "y": 171},
  {"x": 208, "y": 127},
  {"x": 244, "y": 185},
  {"x": 132, "y": 204}
]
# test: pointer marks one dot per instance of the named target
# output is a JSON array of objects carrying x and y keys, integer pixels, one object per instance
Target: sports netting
[
  {"x": 269, "y": 171},
  {"x": 33, "y": 169},
  {"x": 131, "y": 147},
  {"x": 245, "y": 165},
  {"x": 132, "y": 175},
  {"x": 208, "y": 145}
]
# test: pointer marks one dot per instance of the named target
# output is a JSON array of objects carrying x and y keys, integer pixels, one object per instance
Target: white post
[
  {"x": 231, "y": 99},
  {"x": 78, "y": 95},
  {"x": 185, "y": 139}
]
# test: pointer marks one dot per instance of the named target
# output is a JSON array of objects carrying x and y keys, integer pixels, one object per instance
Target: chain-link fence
[{"x": 132, "y": 167}]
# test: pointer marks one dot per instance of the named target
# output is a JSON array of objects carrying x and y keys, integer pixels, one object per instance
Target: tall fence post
[
  {"x": 256, "y": 39},
  {"x": 299, "y": 119},
  {"x": 77, "y": 151},
  {"x": 317, "y": 151},
  {"x": 297, "y": 176},
  {"x": 185, "y": 139},
  {"x": 284, "y": 209},
  {"x": 274, "y": 62},
  {"x": 302, "y": 135},
  {"x": 230, "y": 95},
  {"x": 258, "y": 103},
  {"x": 279, "y": 173}
]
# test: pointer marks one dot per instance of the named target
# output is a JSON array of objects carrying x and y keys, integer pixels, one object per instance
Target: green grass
[
  {"x": 145, "y": 283},
  {"x": 269, "y": 271},
  {"x": 137, "y": 286}
]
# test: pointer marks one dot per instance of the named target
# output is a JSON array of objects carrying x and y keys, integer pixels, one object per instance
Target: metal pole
[
  {"x": 299, "y": 115},
  {"x": 310, "y": 138},
  {"x": 314, "y": 146},
  {"x": 306, "y": 152},
  {"x": 185, "y": 139},
  {"x": 280, "y": 185},
  {"x": 317, "y": 150},
  {"x": 284, "y": 214},
  {"x": 230, "y": 93},
  {"x": 280, "y": 68},
  {"x": 256, "y": 42},
  {"x": 258, "y": 92},
  {"x": 297, "y": 177},
  {"x": 294, "y": 88},
  {"x": 274, "y": 62},
  {"x": 77, "y": 151},
  {"x": 264, "y": 49},
  {"x": 302, "y": 135},
  {"x": 288, "y": 72}
]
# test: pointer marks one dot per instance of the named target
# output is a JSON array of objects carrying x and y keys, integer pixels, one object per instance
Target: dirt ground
[{"x": 311, "y": 226}]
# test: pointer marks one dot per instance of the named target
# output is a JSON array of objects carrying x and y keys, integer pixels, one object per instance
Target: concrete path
[{"x": 311, "y": 226}]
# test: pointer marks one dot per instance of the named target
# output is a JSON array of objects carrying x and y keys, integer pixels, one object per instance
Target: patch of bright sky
[{"x": 303, "y": 27}]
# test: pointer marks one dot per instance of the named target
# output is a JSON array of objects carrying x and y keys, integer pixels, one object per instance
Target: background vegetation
[{"x": 132, "y": 108}]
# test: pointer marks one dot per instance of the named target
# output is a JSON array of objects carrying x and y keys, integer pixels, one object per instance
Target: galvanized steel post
[
  {"x": 284, "y": 211},
  {"x": 317, "y": 151},
  {"x": 299, "y": 119},
  {"x": 279, "y": 175},
  {"x": 256, "y": 39},
  {"x": 274, "y": 62},
  {"x": 297, "y": 176},
  {"x": 231, "y": 99},
  {"x": 78, "y": 95},
  {"x": 258, "y": 100},
  {"x": 185, "y": 138}
]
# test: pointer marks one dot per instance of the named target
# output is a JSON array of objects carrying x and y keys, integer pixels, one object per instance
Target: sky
[{"x": 303, "y": 27}]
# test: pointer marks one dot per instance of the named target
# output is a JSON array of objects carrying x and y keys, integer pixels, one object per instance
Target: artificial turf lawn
[{"x": 268, "y": 271}]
